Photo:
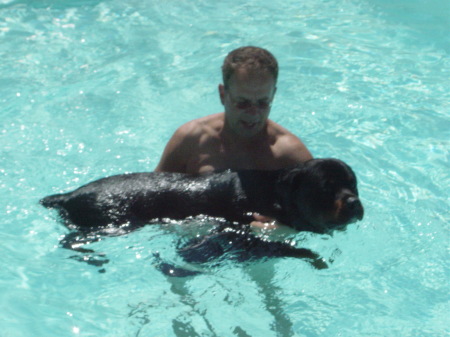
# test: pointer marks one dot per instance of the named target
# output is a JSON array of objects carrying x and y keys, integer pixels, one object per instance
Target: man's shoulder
[
  {"x": 286, "y": 145},
  {"x": 277, "y": 129},
  {"x": 200, "y": 126},
  {"x": 280, "y": 134}
]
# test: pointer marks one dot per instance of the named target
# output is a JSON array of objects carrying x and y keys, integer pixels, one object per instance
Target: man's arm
[
  {"x": 176, "y": 152},
  {"x": 288, "y": 149},
  {"x": 298, "y": 150}
]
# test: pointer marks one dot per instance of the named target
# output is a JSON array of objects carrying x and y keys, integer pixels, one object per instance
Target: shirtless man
[{"x": 242, "y": 137}]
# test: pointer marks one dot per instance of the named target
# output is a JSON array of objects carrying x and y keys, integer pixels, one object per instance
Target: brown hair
[{"x": 250, "y": 57}]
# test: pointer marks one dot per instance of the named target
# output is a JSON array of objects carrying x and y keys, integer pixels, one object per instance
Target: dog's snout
[
  {"x": 352, "y": 202},
  {"x": 355, "y": 205}
]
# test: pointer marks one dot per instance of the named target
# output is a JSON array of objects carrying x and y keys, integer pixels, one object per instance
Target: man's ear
[{"x": 222, "y": 93}]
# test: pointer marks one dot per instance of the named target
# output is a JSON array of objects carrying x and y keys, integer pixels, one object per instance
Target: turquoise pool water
[{"x": 91, "y": 88}]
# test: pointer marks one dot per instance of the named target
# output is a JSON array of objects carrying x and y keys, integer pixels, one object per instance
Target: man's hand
[
  {"x": 267, "y": 224},
  {"x": 264, "y": 222}
]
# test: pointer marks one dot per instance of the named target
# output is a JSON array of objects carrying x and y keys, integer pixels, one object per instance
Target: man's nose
[{"x": 252, "y": 109}]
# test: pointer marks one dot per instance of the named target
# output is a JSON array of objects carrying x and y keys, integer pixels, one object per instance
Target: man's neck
[{"x": 231, "y": 138}]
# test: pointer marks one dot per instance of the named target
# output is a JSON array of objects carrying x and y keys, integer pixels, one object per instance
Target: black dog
[{"x": 318, "y": 196}]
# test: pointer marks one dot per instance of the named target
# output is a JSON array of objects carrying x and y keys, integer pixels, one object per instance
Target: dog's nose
[{"x": 354, "y": 204}]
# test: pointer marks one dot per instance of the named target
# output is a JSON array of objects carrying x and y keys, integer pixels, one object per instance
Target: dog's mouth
[
  {"x": 350, "y": 219},
  {"x": 330, "y": 228},
  {"x": 348, "y": 212}
]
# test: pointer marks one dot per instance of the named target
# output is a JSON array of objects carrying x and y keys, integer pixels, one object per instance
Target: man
[{"x": 242, "y": 137}]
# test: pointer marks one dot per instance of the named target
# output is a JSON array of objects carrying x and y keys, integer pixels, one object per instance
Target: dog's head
[{"x": 321, "y": 196}]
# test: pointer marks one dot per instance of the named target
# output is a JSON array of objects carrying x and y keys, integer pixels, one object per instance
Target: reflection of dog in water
[{"x": 317, "y": 196}]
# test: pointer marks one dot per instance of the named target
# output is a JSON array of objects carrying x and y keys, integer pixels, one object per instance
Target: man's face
[{"x": 247, "y": 101}]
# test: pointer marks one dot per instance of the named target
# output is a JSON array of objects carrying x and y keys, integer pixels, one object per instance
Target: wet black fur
[
  {"x": 303, "y": 197},
  {"x": 297, "y": 197}
]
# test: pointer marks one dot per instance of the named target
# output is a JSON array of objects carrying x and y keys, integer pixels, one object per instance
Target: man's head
[
  {"x": 250, "y": 58},
  {"x": 249, "y": 85}
]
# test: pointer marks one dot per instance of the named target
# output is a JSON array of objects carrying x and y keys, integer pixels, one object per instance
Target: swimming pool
[{"x": 91, "y": 88}]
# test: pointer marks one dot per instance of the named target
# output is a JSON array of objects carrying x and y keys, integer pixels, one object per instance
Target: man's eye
[
  {"x": 263, "y": 104},
  {"x": 244, "y": 104}
]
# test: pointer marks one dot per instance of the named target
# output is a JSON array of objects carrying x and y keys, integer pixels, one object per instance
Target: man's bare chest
[{"x": 237, "y": 160}]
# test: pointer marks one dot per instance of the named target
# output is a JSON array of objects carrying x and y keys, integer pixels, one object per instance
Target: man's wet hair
[{"x": 250, "y": 58}]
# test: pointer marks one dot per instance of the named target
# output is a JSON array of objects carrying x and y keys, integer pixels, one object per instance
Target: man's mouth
[{"x": 248, "y": 124}]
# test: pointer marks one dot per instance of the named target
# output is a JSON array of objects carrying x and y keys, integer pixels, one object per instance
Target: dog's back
[
  {"x": 108, "y": 200},
  {"x": 141, "y": 197},
  {"x": 318, "y": 196}
]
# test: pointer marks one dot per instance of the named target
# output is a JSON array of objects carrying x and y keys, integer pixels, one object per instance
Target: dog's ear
[
  {"x": 288, "y": 185},
  {"x": 290, "y": 179}
]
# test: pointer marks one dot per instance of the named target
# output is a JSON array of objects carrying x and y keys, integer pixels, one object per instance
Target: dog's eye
[{"x": 329, "y": 189}]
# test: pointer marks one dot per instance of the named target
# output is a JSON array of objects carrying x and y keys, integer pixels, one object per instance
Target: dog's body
[{"x": 317, "y": 196}]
